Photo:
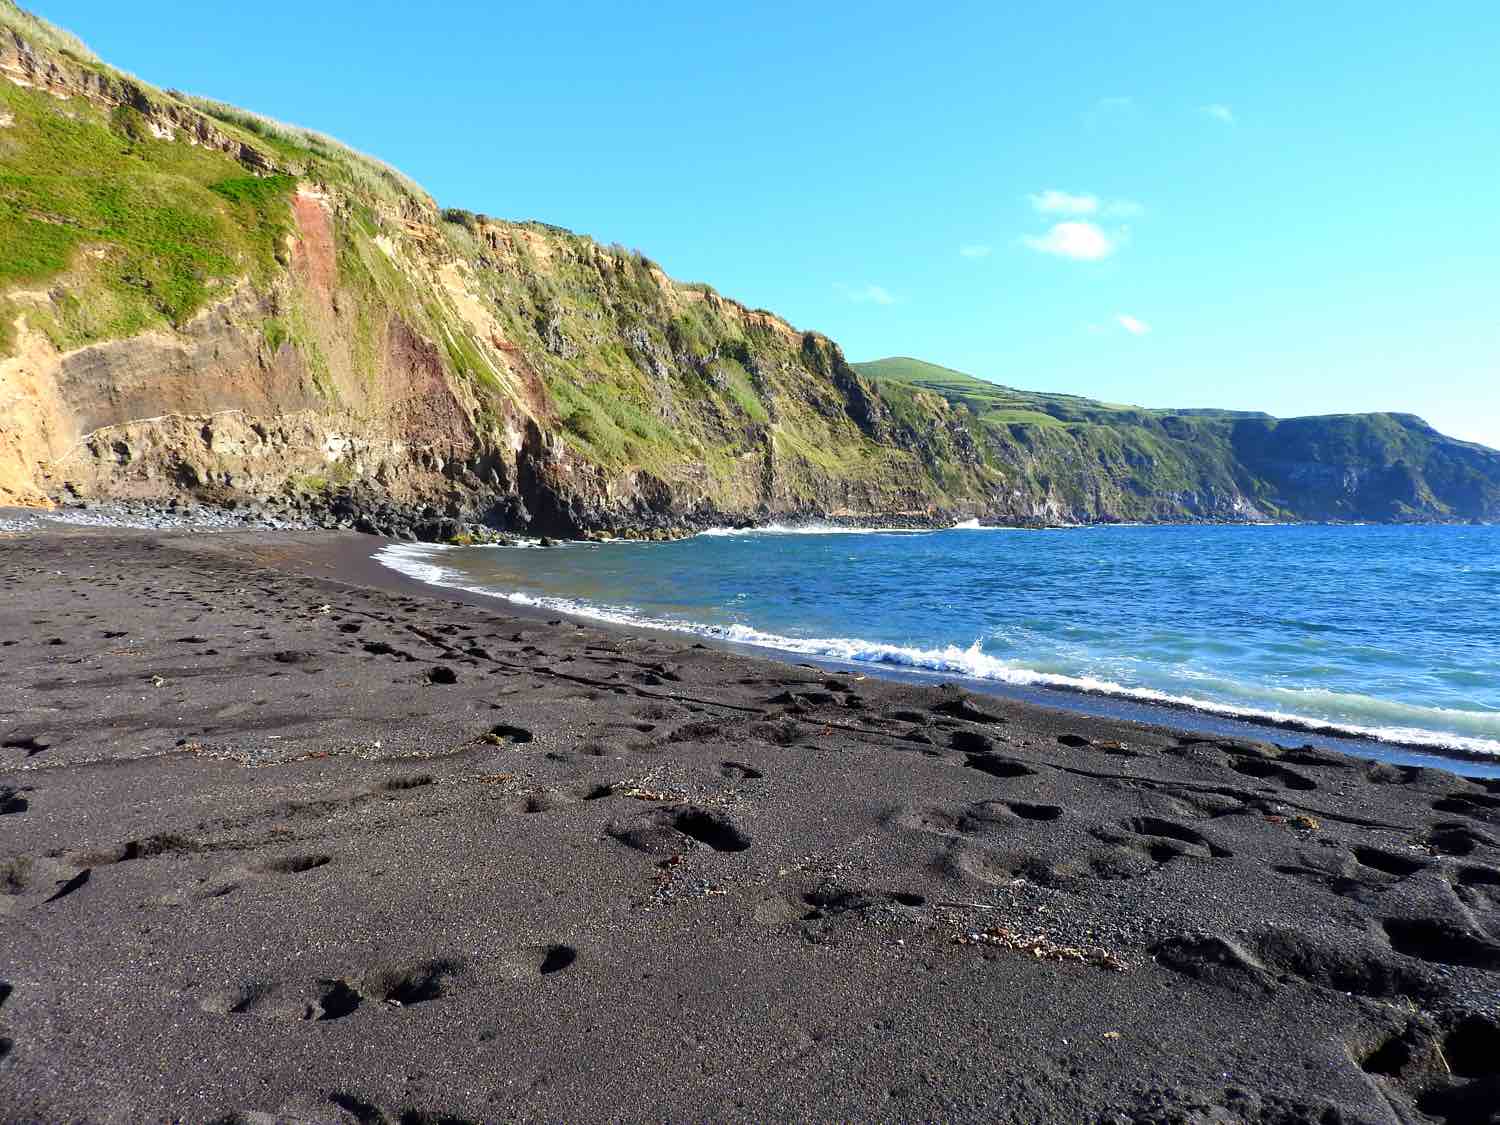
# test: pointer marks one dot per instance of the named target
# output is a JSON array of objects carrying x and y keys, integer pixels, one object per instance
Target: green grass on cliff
[
  {"x": 1001, "y": 403},
  {"x": 107, "y": 230},
  {"x": 332, "y": 158},
  {"x": 1153, "y": 463},
  {"x": 146, "y": 230},
  {"x": 991, "y": 399},
  {"x": 39, "y": 31},
  {"x": 1072, "y": 447}
]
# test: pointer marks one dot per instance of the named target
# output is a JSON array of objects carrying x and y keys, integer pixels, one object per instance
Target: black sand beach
[{"x": 283, "y": 838}]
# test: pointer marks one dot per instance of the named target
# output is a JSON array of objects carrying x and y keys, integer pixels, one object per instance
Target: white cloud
[
  {"x": 974, "y": 250},
  {"x": 1054, "y": 202},
  {"x": 1218, "y": 111},
  {"x": 1133, "y": 325},
  {"x": 867, "y": 294},
  {"x": 1083, "y": 242}
]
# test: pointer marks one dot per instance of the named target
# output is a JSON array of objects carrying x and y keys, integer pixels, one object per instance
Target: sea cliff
[{"x": 200, "y": 303}]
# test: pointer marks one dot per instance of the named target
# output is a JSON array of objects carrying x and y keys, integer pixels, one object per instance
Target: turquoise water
[{"x": 1390, "y": 633}]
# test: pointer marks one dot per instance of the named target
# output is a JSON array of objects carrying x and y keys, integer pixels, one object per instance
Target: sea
[{"x": 1375, "y": 636}]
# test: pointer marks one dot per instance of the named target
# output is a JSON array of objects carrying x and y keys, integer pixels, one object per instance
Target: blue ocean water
[{"x": 1390, "y": 633}]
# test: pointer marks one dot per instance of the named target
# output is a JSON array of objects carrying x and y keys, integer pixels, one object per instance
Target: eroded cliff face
[
  {"x": 230, "y": 401},
  {"x": 30, "y": 66},
  {"x": 343, "y": 330},
  {"x": 510, "y": 372}
]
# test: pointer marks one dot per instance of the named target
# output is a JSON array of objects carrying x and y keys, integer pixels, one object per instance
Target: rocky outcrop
[{"x": 24, "y": 64}]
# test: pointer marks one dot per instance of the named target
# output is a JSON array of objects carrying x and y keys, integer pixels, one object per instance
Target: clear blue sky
[{"x": 1289, "y": 206}]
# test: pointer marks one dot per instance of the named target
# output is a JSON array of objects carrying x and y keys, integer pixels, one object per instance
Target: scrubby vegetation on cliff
[
  {"x": 1346, "y": 466},
  {"x": 166, "y": 257},
  {"x": 136, "y": 230},
  {"x": 44, "y": 34}
]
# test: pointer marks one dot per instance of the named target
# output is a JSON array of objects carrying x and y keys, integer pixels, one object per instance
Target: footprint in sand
[
  {"x": 1441, "y": 941},
  {"x": 671, "y": 831},
  {"x": 1383, "y": 773},
  {"x": 11, "y": 801},
  {"x": 1450, "y": 1075},
  {"x": 1145, "y": 843},
  {"x": 1272, "y": 958},
  {"x": 32, "y": 744},
  {"x": 533, "y": 962},
  {"x": 405, "y": 986},
  {"x": 292, "y": 864},
  {"x": 1478, "y": 888},
  {"x": 997, "y": 765},
  {"x": 1455, "y": 838},
  {"x": 502, "y": 734},
  {"x": 1476, "y": 806},
  {"x": 1361, "y": 874},
  {"x": 1263, "y": 770},
  {"x": 830, "y": 900}
]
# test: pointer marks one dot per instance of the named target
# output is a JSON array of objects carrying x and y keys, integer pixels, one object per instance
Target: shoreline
[
  {"x": 287, "y": 836},
  {"x": 343, "y": 553},
  {"x": 1200, "y": 716},
  {"x": 302, "y": 513}
]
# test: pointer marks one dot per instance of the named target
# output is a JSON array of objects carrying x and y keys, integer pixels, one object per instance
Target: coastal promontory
[{"x": 199, "y": 303}]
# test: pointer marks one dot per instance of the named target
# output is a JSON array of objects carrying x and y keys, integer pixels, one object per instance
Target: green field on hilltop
[{"x": 1002, "y": 403}]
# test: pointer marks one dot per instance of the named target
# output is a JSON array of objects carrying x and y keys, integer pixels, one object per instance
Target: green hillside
[
  {"x": 1001, "y": 403},
  {"x": 196, "y": 298},
  {"x": 1341, "y": 466}
]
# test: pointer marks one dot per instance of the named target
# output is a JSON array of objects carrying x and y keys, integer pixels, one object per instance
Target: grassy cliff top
[
  {"x": 992, "y": 401},
  {"x": 137, "y": 206},
  {"x": 287, "y": 147},
  {"x": 987, "y": 399},
  {"x": 40, "y": 32}
]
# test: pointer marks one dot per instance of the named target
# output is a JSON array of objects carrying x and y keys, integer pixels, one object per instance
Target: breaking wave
[
  {"x": 1471, "y": 733},
  {"x": 808, "y": 529}
]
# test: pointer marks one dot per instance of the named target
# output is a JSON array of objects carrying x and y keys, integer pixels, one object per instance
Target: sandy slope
[{"x": 259, "y": 858}]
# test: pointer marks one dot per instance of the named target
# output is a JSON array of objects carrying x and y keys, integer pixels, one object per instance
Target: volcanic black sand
[{"x": 279, "y": 847}]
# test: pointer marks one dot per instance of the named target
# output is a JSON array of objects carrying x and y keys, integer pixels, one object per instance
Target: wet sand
[{"x": 285, "y": 836}]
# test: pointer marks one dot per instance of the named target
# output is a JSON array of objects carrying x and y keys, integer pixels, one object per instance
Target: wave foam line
[
  {"x": 970, "y": 662},
  {"x": 975, "y": 525},
  {"x": 808, "y": 529}
]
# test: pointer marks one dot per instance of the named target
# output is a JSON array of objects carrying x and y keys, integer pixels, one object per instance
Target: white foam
[
  {"x": 975, "y": 525},
  {"x": 1398, "y": 725},
  {"x": 530, "y": 545},
  {"x": 809, "y": 529},
  {"x": 412, "y": 560}
]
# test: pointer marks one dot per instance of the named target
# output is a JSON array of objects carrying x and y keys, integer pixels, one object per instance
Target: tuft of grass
[
  {"x": 361, "y": 170},
  {"x": 253, "y": 191},
  {"x": 275, "y": 333},
  {"x": 43, "y": 34}
]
